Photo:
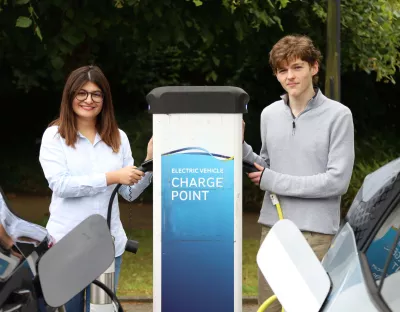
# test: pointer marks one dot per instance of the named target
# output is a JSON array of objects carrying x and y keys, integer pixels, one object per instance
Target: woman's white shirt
[{"x": 77, "y": 177}]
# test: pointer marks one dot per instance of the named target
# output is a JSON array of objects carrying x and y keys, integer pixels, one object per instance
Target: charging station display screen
[{"x": 197, "y": 232}]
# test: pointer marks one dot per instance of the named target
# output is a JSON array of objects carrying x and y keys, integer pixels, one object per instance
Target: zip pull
[{"x": 294, "y": 128}]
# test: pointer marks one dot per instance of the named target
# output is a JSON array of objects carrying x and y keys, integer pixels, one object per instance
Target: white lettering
[
  {"x": 201, "y": 182},
  {"x": 196, "y": 195},
  {"x": 192, "y": 183},
  {"x": 173, "y": 184},
  {"x": 189, "y": 195},
  {"x": 194, "y": 188},
  {"x": 183, "y": 195},
  {"x": 184, "y": 182},
  {"x": 197, "y": 170},
  {"x": 198, "y": 183}
]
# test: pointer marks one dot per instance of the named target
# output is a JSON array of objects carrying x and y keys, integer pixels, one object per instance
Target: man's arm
[
  {"x": 130, "y": 193},
  {"x": 333, "y": 182},
  {"x": 250, "y": 156}
]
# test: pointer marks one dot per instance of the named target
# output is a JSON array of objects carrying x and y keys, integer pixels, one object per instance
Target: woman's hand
[{"x": 128, "y": 175}]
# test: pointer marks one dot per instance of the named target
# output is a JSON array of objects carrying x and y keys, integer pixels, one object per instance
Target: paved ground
[{"x": 148, "y": 307}]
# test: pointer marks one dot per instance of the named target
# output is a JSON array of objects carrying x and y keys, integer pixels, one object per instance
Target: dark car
[{"x": 36, "y": 274}]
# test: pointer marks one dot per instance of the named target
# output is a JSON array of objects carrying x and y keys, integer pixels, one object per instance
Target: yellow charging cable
[
  {"x": 267, "y": 303},
  {"x": 270, "y": 300},
  {"x": 275, "y": 202}
]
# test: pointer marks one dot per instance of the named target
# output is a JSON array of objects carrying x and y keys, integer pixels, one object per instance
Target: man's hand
[
  {"x": 243, "y": 127},
  {"x": 149, "y": 150},
  {"x": 256, "y": 176}
]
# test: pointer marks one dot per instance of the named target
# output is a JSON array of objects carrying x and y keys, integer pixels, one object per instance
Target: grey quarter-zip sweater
[{"x": 308, "y": 162}]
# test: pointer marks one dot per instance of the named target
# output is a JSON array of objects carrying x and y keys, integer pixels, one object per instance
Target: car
[
  {"x": 361, "y": 270},
  {"x": 38, "y": 275}
]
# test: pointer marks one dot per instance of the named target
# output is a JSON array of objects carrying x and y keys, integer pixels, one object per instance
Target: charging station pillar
[{"x": 197, "y": 198}]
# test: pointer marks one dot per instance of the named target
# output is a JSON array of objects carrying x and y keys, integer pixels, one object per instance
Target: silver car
[
  {"x": 361, "y": 271},
  {"x": 365, "y": 256}
]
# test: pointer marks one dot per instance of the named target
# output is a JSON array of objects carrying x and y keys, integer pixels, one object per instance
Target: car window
[
  {"x": 383, "y": 256},
  {"x": 370, "y": 205}
]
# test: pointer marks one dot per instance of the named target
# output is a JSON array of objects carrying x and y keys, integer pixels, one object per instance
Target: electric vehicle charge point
[{"x": 197, "y": 198}]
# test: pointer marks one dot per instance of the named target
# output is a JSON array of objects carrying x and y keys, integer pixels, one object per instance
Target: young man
[{"x": 307, "y": 152}]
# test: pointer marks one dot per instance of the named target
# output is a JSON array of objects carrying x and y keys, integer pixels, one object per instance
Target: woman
[{"x": 83, "y": 155}]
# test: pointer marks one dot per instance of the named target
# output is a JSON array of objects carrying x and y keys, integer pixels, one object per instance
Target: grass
[{"x": 136, "y": 277}]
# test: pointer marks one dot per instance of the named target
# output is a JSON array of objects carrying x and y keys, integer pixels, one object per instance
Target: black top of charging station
[{"x": 197, "y": 99}]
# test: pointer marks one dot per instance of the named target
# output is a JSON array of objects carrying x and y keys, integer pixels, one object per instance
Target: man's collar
[{"x": 285, "y": 97}]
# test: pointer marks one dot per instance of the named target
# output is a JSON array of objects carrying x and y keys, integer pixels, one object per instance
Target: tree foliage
[
  {"x": 142, "y": 44},
  {"x": 146, "y": 43},
  {"x": 370, "y": 35}
]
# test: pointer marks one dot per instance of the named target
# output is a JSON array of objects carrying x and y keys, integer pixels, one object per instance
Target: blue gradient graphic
[
  {"x": 378, "y": 253},
  {"x": 197, "y": 235}
]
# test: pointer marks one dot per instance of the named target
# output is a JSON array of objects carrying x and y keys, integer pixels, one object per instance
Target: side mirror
[
  {"x": 76, "y": 261},
  {"x": 292, "y": 269}
]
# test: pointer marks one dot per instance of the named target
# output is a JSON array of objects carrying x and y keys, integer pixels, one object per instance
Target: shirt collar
[
  {"x": 313, "y": 100},
  {"x": 97, "y": 138}
]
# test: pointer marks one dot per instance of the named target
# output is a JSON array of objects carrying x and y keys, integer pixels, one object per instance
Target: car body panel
[
  {"x": 343, "y": 266},
  {"x": 365, "y": 230}
]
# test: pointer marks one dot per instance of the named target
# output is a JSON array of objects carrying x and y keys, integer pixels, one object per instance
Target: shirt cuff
[
  {"x": 247, "y": 150},
  {"x": 266, "y": 180},
  {"x": 147, "y": 179}
]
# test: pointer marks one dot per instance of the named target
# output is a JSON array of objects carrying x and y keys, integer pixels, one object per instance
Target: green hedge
[{"x": 21, "y": 171}]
